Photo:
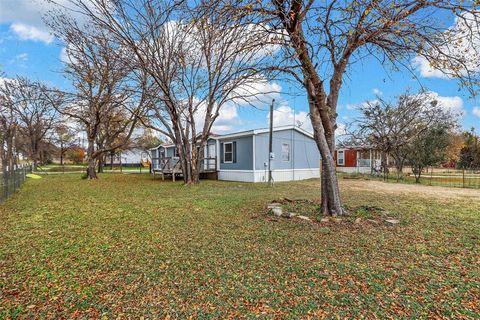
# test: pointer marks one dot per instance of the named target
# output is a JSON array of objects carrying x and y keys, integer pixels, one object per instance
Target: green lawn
[{"x": 127, "y": 246}]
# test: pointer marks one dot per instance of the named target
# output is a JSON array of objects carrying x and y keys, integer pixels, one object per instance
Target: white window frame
[
  {"x": 342, "y": 152},
  {"x": 287, "y": 153},
  {"x": 225, "y": 152}
]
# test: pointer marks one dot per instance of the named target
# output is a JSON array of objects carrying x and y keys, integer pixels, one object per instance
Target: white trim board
[{"x": 261, "y": 175}]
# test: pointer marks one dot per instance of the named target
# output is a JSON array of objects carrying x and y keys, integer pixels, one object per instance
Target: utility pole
[{"x": 270, "y": 145}]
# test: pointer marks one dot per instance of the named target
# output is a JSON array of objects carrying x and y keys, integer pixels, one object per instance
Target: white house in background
[
  {"x": 134, "y": 156},
  {"x": 243, "y": 156}
]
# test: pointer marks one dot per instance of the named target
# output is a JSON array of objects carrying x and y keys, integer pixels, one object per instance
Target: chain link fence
[
  {"x": 458, "y": 178},
  {"x": 11, "y": 181}
]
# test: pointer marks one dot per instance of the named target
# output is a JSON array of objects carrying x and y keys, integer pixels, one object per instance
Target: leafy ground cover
[
  {"x": 128, "y": 246},
  {"x": 55, "y": 168}
]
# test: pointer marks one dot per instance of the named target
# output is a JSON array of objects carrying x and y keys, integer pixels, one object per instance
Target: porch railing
[
  {"x": 169, "y": 164},
  {"x": 208, "y": 164},
  {"x": 364, "y": 163}
]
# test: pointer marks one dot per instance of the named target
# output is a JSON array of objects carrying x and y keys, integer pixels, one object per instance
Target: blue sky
[{"x": 27, "y": 49}]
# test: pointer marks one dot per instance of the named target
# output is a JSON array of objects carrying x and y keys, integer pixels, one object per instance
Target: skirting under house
[{"x": 262, "y": 176}]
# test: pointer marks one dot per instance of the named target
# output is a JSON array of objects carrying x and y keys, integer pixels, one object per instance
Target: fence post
[{"x": 463, "y": 177}]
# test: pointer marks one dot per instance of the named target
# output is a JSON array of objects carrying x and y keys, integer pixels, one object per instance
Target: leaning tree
[{"x": 323, "y": 39}]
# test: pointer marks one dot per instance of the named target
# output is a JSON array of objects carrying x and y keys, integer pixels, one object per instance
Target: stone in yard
[
  {"x": 326, "y": 219},
  {"x": 273, "y": 205},
  {"x": 277, "y": 211},
  {"x": 373, "y": 221},
  {"x": 337, "y": 220},
  {"x": 392, "y": 221},
  {"x": 304, "y": 218},
  {"x": 289, "y": 214},
  {"x": 358, "y": 220}
]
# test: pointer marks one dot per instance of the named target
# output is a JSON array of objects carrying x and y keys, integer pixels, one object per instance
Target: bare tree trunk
[
  {"x": 61, "y": 157},
  {"x": 101, "y": 162},
  {"x": 330, "y": 190},
  {"x": 323, "y": 191},
  {"x": 91, "y": 174},
  {"x": 330, "y": 193}
]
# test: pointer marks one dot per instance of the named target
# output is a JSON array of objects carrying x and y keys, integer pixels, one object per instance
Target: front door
[{"x": 210, "y": 163}]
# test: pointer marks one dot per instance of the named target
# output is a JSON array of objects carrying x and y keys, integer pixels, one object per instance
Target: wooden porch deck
[{"x": 171, "y": 166}]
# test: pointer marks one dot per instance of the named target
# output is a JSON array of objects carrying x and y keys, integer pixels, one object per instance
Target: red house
[{"x": 353, "y": 159}]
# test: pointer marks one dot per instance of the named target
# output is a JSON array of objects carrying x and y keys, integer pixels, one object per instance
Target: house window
[
  {"x": 341, "y": 157},
  {"x": 285, "y": 152},
  {"x": 228, "y": 152},
  {"x": 175, "y": 152}
]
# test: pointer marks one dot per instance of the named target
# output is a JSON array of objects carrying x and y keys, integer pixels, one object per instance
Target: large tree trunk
[
  {"x": 330, "y": 193},
  {"x": 331, "y": 202},
  {"x": 91, "y": 173}
]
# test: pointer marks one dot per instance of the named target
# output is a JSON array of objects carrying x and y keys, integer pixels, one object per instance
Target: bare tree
[
  {"x": 390, "y": 127},
  {"x": 324, "y": 39},
  {"x": 8, "y": 127},
  {"x": 111, "y": 135},
  {"x": 198, "y": 57},
  {"x": 64, "y": 138},
  {"x": 104, "y": 85},
  {"x": 36, "y": 113},
  {"x": 32, "y": 105}
]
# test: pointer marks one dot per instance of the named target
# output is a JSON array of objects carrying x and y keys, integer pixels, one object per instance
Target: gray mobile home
[{"x": 243, "y": 156}]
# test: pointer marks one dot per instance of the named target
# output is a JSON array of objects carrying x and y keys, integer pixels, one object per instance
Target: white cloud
[
  {"x": 227, "y": 120},
  {"x": 460, "y": 53},
  {"x": 64, "y": 55},
  {"x": 426, "y": 69},
  {"x": 357, "y": 106},
  {"x": 22, "y": 56},
  {"x": 258, "y": 92},
  {"x": 452, "y": 103},
  {"x": 476, "y": 111},
  {"x": 26, "y": 17},
  {"x": 27, "y": 32},
  {"x": 285, "y": 116},
  {"x": 19, "y": 60},
  {"x": 341, "y": 129},
  {"x": 377, "y": 92}
]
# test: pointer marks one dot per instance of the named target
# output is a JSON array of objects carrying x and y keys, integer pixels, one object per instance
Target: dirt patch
[{"x": 410, "y": 189}]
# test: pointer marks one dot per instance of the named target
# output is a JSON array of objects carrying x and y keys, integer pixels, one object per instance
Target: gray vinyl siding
[
  {"x": 170, "y": 152},
  {"x": 244, "y": 154},
  {"x": 303, "y": 151},
  {"x": 306, "y": 154}
]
